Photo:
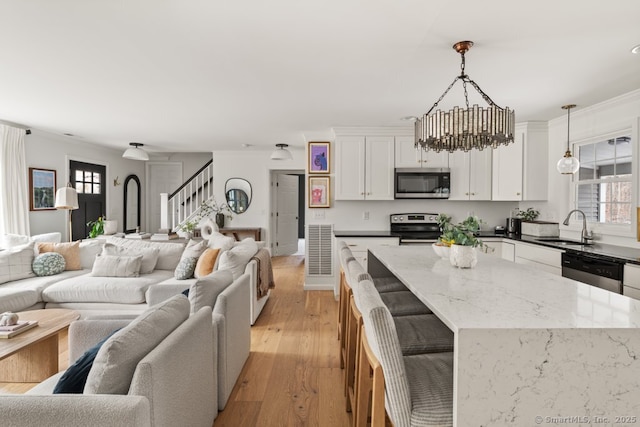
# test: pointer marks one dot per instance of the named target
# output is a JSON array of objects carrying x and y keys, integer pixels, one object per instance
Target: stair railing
[{"x": 184, "y": 203}]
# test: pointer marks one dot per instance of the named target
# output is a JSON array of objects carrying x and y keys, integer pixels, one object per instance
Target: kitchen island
[{"x": 531, "y": 348}]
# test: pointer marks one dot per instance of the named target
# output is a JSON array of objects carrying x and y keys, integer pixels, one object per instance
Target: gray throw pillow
[
  {"x": 116, "y": 266},
  {"x": 205, "y": 291},
  {"x": 185, "y": 268}
]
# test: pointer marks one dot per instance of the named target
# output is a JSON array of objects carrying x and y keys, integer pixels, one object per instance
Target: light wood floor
[{"x": 293, "y": 375}]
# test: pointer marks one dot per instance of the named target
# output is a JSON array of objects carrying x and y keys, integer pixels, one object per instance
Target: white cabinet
[
  {"x": 631, "y": 281},
  {"x": 407, "y": 156},
  {"x": 547, "y": 259},
  {"x": 520, "y": 168},
  {"x": 505, "y": 250},
  {"x": 470, "y": 175},
  {"x": 364, "y": 168}
]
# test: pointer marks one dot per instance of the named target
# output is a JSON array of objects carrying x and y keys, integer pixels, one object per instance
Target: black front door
[{"x": 89, "y": 181}]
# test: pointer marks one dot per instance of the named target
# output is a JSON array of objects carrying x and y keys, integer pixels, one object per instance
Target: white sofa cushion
[
  {"x": 149, "y": 255},
  {"x": 117, "y": 266},
  {"x": 168, "y": 256},
  {"x": 236, "y": 258},
  {"x": 116, "y": 361},
  {"x": 220, "y": 241},
  {"x": 54, "y": 237},
  {"x": 8, "y": 241},
  {"x": 87, "y": 288},
  {"x": 15, "y": 263},
  {"x": 16, "y": 299},
  {"x": 205, "y": 291},
  {"x": 88, "y": 251}
]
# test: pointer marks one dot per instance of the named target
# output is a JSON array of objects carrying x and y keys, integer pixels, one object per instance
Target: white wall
[
  {"x": 50, "y": 151},
  {"x": 614, "y": 115},
  {"x": 255, "y": 167}
]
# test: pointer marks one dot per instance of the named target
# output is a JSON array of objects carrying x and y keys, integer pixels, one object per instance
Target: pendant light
[
  {"x": 568, "y": 165},
  {"x": 135, "y": 152},
  {"x": 281, "y": 153},
  {"x": 465, "y": 127}
]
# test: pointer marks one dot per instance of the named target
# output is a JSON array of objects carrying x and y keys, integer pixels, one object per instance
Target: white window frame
[{"x": 624, "y": 230}]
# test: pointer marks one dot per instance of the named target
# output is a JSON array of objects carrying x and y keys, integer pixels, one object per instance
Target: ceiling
[{"x": 202, "y": 75}]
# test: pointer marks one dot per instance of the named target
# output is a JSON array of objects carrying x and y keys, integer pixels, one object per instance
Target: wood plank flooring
[{"x": 293, "y": 375}]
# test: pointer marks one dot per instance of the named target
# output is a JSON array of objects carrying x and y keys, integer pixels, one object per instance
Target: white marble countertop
[{"x": 502, "y": 294}]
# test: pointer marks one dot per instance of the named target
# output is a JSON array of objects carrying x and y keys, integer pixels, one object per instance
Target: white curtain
[{"x": 14, "y": 187}]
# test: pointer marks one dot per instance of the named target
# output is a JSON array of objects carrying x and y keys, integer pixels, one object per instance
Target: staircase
[{"x": 184, "y": 204}]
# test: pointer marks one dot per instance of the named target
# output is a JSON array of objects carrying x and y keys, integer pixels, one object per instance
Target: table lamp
[{"x": 67, "y": 199}]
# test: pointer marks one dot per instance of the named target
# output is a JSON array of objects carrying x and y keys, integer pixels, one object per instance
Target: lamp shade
[
  {"x": 66, "y": 198},
  {"x": 281, "y": 153},
  {"x": 135, "y": 152}
]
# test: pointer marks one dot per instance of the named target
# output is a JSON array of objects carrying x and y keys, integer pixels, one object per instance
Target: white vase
[
  {"x": 463, "y": 256},
  {"x": 110, "y": 226}
]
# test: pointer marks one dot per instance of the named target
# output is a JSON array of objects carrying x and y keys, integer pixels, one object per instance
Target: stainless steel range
[{"x": 415, "y": 228}]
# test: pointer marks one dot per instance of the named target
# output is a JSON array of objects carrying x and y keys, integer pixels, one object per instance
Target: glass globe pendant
[{"x": 568, "y": 165}]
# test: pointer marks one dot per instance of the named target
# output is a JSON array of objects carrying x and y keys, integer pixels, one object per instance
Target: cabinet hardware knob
[
  {"x": 466, "y": 194},
  {"x": 517, "y": 194},
  {"x": 473, "y": 194}
]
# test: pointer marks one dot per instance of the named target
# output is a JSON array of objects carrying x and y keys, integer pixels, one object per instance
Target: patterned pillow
[
  {"x": 48, "y": 264},
  {"x": 185, "y": 268}
]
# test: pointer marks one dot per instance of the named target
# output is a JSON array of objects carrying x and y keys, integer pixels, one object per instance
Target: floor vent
[{"x": 319, "y": 259}]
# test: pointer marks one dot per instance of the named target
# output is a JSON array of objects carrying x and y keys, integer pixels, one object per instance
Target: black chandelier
[{"x": 464, "y": 128}]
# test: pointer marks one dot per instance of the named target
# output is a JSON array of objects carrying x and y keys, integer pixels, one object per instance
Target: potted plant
[
  {"x": 529, "y": 215},
  {"x": 463, "y": 241},
  {"x": 97, "y": 227}
]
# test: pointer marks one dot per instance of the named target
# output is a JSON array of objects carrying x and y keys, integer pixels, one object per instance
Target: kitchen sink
[{"x": 562, "y": 242}]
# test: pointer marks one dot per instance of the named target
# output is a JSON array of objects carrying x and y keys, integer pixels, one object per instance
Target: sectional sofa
[{"x": 91, "y": 293}]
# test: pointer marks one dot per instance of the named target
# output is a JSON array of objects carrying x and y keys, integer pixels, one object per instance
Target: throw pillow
[
  {"x": 205, "y": 291},
  {"x": 116, "y": 361},
  {"x": 185, "y": 268},
  {"x": 206, "y": 262},
  {"x": 15, "y": 263},
  {"x": 220, "y": 241},
  {"x": 169, "y": 255},
  {"x": 48, "y": 264},
  {"x": 89, "y": 249},
  {"x": 70, "y": 252},
  {"x": 149, "y": 255},
  {"x": 75, "y": 377},
  {"x": 116, "y": 266},
  {"x": 194, "y": 249},
  {"x": 236, "y": 258}
]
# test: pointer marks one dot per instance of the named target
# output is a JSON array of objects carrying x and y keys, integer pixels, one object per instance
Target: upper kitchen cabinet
[
  {"x": 520, "y": 169},
  {"x": 408, "y": 157},
  {"x": 470, "y": 175},
  {"x": 364, "y": 167}
]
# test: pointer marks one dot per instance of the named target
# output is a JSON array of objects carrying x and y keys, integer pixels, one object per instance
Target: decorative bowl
[{"x": 441, "y": 250}]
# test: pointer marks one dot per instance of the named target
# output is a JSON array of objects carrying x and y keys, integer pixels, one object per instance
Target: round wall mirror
[{"x": 238, "y": 194}]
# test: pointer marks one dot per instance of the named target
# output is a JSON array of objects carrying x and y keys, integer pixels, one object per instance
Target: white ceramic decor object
[
  {"x": 8, "y": 319},
  {"x": 463, "y": 256}
]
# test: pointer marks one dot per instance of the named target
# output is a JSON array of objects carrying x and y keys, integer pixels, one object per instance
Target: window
[
  {"x": 88, "y": 182},
  {"x": 603, "y": 183}
]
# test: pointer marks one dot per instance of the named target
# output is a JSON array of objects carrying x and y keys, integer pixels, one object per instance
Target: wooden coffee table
[{"x": 32, "y": 356}]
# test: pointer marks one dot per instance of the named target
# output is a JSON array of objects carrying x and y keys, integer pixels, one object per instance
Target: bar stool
[
  {"x": 418, "y": 389},
  {"x": 344, "y": 292}
]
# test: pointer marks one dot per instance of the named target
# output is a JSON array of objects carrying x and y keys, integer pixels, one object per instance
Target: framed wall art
[
  {"x": 42, "y": 189},
  {"x": 319, "y": 157},
  {"x": 319, "y": 192}
]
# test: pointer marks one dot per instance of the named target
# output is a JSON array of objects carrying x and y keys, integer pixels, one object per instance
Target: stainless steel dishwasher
[{"x": 605, "y": 273}]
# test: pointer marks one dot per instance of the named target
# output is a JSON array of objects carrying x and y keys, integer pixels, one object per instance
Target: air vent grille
[{"x": 319, "y": 257}]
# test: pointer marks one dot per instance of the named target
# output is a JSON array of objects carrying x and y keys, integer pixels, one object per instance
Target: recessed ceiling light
[
  {"x": 69, "y": 134},
  {"x": 635, "y": 49},
  {"x": 411, "y": 118},
  {"x": 246, "y": 145}
]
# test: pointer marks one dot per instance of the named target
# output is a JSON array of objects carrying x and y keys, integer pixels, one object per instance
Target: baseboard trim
[{"x": 317, "y": 287}]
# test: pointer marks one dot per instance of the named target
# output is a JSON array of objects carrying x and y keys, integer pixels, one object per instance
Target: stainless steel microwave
[{"x": 422, "y": 183}]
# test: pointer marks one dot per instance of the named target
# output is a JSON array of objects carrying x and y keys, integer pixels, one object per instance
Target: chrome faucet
[{"x": 586, "y": 234}]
